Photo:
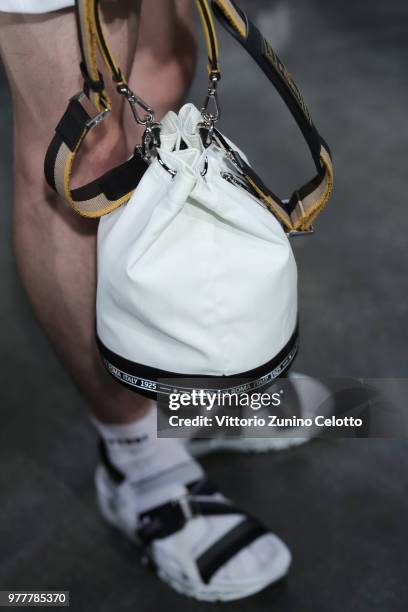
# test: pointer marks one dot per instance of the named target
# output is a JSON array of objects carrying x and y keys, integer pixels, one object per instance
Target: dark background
[{"x": 341, "y": 505}]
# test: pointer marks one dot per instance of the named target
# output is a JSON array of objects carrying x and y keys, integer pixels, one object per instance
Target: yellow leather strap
[
  {"x": 210, "y": 34},
  {"x": 234, "y": 16}
]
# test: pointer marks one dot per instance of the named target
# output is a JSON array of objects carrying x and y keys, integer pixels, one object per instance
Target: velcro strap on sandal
[
  {"x": 228, "y": 546},
  {"x": 171, "y": 517}
]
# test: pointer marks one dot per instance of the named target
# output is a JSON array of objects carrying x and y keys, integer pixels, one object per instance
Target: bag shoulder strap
[
  {"x": 307, "y": 201},
  {"x": 117, "y": 186}
]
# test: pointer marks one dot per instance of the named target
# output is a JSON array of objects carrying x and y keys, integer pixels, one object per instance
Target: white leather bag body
[{"x": 195, "y": 275}]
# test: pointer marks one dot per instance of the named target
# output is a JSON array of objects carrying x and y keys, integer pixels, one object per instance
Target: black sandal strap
[
  {"x": 202, "y": 487},
  {"x": 228, "y": 546},
  {"x": 169, "y": 518},
  {"x": 115, "y": 474}
]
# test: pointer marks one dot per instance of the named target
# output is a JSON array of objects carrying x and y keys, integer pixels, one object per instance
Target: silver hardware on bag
[
  {"x": 151, "y": 140},
  {"x": 237, "y": 181},
  {"x": 93, "y": 121},
  {"x": 297, "y": 233},
  {"x": 165, "y": 166},
  {"x": 205, "y": 169},
  {"x": 151, "y": 135},
  {"x": 135, "y": 102},
  {"x": 210, "y": 117},
  {"x": 174, "y": 172},
  {"x": 232, "y": 155}
]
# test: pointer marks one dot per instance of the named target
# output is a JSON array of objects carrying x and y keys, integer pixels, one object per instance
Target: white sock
[{"x": 136, "y": 451}]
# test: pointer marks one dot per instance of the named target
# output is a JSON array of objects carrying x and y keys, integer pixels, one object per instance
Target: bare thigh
[{"x": 55, "y": 249}]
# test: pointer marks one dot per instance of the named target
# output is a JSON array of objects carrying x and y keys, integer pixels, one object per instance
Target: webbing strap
[
  {"x": 102, "y": 195},
  {"x": 110, "y": 191},
  {"x": 210, "y": 34},
  {"x": 229, "y": 545},
  {"x": 91, "y": 38},
  {"x": 116, "y": 187},
  {"x": 168, "y": 519},
  {"x": 309, "y": 200}
]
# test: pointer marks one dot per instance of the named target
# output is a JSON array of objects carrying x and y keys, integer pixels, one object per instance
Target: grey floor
[{"x": 341, "y": 505}]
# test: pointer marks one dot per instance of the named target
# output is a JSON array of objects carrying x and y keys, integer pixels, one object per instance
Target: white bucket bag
[{"x": 196, "y": 275}]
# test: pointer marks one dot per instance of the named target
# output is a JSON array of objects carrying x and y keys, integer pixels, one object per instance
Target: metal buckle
[
  {"x": 184, "y": 504},
  {"x": 93, "y": 121},
  {"x": 296, "y": 233}
]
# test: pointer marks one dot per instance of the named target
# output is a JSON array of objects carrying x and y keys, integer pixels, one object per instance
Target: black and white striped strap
[{"x": 115, "y": 188}]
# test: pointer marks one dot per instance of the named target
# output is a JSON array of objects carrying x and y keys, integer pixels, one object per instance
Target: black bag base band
[{"x": 145, "y": 379}]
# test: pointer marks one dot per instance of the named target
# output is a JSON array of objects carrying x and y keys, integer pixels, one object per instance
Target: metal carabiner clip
[
  {"x": 151, "y": 140},
  {"x": 151, "y": 135},
  {"x": 135, "y": 102},
  {"x": 210, "y": 117},
  {"x": 211, "y": 98}
]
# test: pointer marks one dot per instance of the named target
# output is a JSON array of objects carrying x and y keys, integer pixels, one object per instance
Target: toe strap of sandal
[
  {"x": 238, "y": 538},
  {"x": 171, "y": 517}
]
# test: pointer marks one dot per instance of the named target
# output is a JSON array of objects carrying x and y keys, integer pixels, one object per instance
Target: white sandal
[{"x": 190, "y": 540}]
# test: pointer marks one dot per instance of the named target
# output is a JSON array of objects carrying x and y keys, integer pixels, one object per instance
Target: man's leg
[
  {"x": 55, "y": 249},
  {"x": 144, "y": 485}
]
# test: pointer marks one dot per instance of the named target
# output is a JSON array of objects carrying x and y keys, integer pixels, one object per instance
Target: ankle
[
  {"x": 136, "y": 453},
  {"x": 124, "y": 410}
]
